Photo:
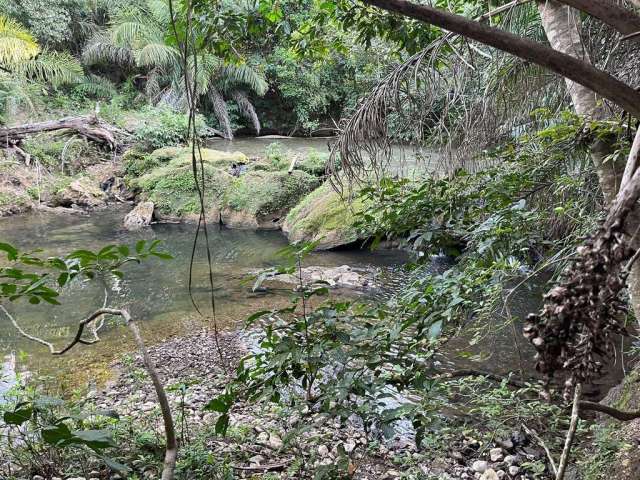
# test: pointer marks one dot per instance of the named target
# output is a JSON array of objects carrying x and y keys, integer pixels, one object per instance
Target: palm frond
[
  {"x": 230, "y": 76},
  {"x": 96, "y": 86},
  {"x": 221, "y": 112},
  {"x": 100, "y": 48},
  {"x": 156, "y": 55},
  {"x": 16, "y": 43},
  {"x": 55, "y": 68},
  {"x": 17, "y": 92},
  {"x": 246, "y": 108}
]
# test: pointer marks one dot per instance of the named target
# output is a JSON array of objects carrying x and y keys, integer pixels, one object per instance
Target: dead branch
[
  {"x": 171, "y": 451},
  {"x": 621, "y": 415},
  {"x": 531, "y": 432},
  {"x": 89, "y": 126},
  {"x": 573, "y": 425}
]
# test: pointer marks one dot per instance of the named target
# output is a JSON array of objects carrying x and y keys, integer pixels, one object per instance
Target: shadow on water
[{"x": 155, "y": 291}]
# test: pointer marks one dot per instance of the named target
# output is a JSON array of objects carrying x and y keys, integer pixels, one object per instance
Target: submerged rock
[
  {"x": 342, "y": 276},
  {"x": 140, "y": 216},
  {"x": 323, "y": 217}
]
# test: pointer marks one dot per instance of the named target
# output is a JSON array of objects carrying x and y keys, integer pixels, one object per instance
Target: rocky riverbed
[{"x": 286, "y": 443}]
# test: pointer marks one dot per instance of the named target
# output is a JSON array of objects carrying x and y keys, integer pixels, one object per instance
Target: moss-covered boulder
[
  {"x": 261, "y": 199},
  {"x": 169, "y": 183},
  {"x": 256, "y": 199},
  {"x": 323, "y": 216}
]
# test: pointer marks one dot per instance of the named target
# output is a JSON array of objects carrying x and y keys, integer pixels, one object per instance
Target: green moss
[
  {"x": 314, "y": 163},
  {"x": 324, "y": 214},
  {"x": 137, "y": 163},
  {"x": 183, "y": 155},
  {"x": 45, "y": 149},
  {"x": 263, "y": 192}
]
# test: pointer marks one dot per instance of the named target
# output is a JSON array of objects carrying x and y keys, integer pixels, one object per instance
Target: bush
[
  {"x": 163, "y": 127},
  {"x": 277, "y": 156}
]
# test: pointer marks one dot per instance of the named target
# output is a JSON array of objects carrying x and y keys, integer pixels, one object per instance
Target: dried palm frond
[
  {"x": 246, "y": 108},
  {"x": 221, "y": 112}
]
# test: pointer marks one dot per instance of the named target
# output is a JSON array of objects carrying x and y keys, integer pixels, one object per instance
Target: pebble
[
  {"x": 490, "y": 475},
  {"x": 510, "y": 459},
  {"x": 501, "y": 474},
  {"x": 275, "y": 442},
  {"x": 514, "y": 470},
  {"x": 350, "y": 446},
  {"x": 391, "y": 474},
  {"x": 323, "y": 451},
  {"x": 479, "y": 466},
  {"x": 38, "y": 477},
  {"x": 256, "y": 460},
  {"x": 496, "y": 454},
  {"x": 263, "y": 437}
]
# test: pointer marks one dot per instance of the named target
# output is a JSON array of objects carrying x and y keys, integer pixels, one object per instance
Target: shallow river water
[{"x": 156, "y": 291}]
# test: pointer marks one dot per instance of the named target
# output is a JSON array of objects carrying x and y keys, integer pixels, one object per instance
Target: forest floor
[{"x": 277, "y": 441}]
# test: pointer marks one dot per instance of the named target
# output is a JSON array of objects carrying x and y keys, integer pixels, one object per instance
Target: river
[{"x": 155, "y": 291}]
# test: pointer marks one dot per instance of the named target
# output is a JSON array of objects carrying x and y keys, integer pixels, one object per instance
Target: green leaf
[
  {"x": 222, "y": 424},
  {"x": 94, "y": 439},
  {"x": 217, "y": 405},
  {"x": 10, "y": 250},
  {"x": 18, "y": 416}
]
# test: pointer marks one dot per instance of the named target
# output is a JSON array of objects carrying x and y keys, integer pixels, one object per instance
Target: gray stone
[
  {"x": 496, "y": 454},
  {"x": 275, "y": 442},
  {"x": 38, "y": 477},
  {"x": 490, "y": 475},
  {"x": 501, "y": 474},
  {"x": 256, "y": 460},
  {"x": 140, "y": 216},
  {"x": 479, "y": 466},
  {"x": 514, "y": 470},
  {"x": 323, "y": 451},
  {"x": 510, "y": 459},
  {"x": 350, "y": 446}
]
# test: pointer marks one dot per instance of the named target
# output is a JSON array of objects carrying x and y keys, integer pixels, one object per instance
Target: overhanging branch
[{"x": 567, "y": 66}]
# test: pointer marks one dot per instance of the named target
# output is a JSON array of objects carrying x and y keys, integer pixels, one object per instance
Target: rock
[
  {"x": 263, "y": 438},
  {"x": 349, "y": 446},
  {"x": 479, "y": 466},
  {"x": 501, "y": 474},
  {"x": 510, "y": 459},
  {"x": 489, "y": 475},
  {"x": 323, "y": 217},
  {"x": 343, "y": 276},
  {"x": 148, "y": 406},
  {"x": 391, "y": 474},
  {"x": 275, "y": 442},
  {"x": 256, "y": 460},
  {"x": 76, "y": 478},
  {"x": 140, "y": 216},
  {"x": 262, "y": 199},
  {"x": 514, "y": 470},
  {"x": 83, "y": 192},
  {"x": 506, "y": 444},
  {"x": 37, "y": 477},
  {"x": 323, "y": 451},
  {"x": 496, "y": 454}
]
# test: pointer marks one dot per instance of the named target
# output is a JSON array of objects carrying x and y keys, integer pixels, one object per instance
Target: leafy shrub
[
  {"x": 162, "y": 127},
  {"x": 276, "y": 155}
]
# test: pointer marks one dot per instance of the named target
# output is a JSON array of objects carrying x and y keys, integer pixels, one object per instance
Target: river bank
[{"x": 286, "y": 441}]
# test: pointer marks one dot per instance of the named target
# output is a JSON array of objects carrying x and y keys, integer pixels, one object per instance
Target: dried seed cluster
[{"x": 581, "y": 315}]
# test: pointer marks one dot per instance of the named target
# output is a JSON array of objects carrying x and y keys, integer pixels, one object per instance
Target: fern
[{"x": 17, "y": 45}]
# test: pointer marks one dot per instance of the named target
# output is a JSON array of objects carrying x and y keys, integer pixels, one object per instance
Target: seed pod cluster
[{"x": 573, "y": 333}]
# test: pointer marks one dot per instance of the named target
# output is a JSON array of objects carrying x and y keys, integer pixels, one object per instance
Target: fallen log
[{"x": 89, "y": 126}]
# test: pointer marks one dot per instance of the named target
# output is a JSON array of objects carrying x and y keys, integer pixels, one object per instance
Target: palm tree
[
  {"x": 136, "y": 39},
  {"x": 25, "y": 67}
]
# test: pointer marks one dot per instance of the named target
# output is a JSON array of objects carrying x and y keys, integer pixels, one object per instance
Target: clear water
[{"x": 155, "y": 292}]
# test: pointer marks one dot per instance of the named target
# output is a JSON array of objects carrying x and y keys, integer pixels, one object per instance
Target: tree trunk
[
  {"x": 88, "y": 126},
  {"x": 623, "y": 20},
  {"x": 562, "y": 27}
]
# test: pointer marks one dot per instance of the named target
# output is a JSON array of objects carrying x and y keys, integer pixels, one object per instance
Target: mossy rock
[
  {"x": 325, "y": 217},
  {"x": 172, "y": 188},
  {"x": 261, "y": 199}
]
